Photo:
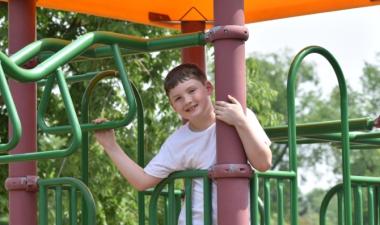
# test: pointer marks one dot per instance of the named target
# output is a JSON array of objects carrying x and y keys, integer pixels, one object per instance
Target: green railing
[
  {"x": 75, "y": 190},
  {"x": 12, "y": 113},
  {"x": 371, "y": 186},
  {"x": 87, "y": 46},
  {"x": 292, "y": 134}
]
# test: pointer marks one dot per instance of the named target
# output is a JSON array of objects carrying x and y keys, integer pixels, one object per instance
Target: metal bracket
[
  {"x": 28, "y": 183},
  {"x": 31, "y": 63},
  {"x": 227, "y": 32},
  {"x": 377, "y": 122},
  {"x": 230, "y": 171}
]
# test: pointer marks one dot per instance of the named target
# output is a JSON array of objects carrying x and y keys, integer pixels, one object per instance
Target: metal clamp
[
  {"x": 28, "y": 183},
  {"x": 227, "y": 32},
  {"x": 230, "y": 171},
  {"x": 377, "y": 122}
]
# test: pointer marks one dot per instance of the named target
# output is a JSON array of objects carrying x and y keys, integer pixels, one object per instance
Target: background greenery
[{"x": 266, "y": 84}]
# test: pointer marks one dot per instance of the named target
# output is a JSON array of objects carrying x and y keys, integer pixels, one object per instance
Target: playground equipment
[
  {"x": 343, "y": 131},
  {"x": 227, "y": 36}
]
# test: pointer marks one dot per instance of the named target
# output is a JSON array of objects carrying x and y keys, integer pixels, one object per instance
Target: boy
[{"x": 193, "y": 145}]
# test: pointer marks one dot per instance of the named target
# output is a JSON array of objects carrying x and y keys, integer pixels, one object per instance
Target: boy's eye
[
  {"x": 177, "y": 99},
  {"x": 191, "y": 90}
]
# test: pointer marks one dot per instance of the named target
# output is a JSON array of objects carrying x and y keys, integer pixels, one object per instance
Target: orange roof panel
[{"x": 169, "y": 13}]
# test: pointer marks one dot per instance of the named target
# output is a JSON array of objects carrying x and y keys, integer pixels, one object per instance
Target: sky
[{"x": 352, "y": 36}]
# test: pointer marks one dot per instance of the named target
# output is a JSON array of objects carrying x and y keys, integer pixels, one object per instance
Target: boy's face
[{"x": 191, "y": 98}]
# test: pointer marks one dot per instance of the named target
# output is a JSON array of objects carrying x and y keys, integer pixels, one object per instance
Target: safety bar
[
  {"x": 72, "y": 185},
  {"x": 12, "y": 114},
  {"x": 90, "y": 126},
  {"x": 85, "y": 42},
  {"x": 292, "y": 134},
  {"x": 357, "y": 124},
  {"x": 74, "y": 128}
]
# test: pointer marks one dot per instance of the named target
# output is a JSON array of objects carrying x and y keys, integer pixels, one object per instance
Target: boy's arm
[
  {"x": 127, "y": 167},
  {"x": 258, "y": 152}
]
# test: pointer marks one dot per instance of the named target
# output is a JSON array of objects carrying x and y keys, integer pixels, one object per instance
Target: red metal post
[
  {"x": 194, "y": 55},
  {"x": 23, "y": 201},
  {"x": 233, "y": 192}
]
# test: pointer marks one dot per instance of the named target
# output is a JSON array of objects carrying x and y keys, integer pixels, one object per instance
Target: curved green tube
[
  {"x": 12, "y": 114},
  {"x": 291, "y": 87},
  {"x": 82, "y": 44},
  {"x": 76, "y": 133}
]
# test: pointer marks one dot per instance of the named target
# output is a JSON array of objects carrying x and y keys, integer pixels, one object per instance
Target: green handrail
[
  {"x": 77, "y": 47},
  {"x": 292, "y": 129},
  {"x": 76, "y": 133},
  {"x": 12, "y": 114},
  {"x": 73, "y": 186},
  {"x": 90, "y": 126},
  {"x": 357, "y": 124}
]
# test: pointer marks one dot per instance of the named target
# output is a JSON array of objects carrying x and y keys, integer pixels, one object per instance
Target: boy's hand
[
  {"x": 106, "y": 138},
  {"x": 230, "y": 112}
]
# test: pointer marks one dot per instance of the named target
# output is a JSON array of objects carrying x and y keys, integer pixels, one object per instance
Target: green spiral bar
[
  {"x": 85, "y": 42},
  {"x": 130, "y": 98},
  {"x": 291, "y": 89},
  {"x": 12, "y": 114},
  {"x": 76, "y": 133}
]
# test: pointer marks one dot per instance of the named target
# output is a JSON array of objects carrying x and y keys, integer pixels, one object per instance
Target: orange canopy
[{"x": 169, "y": 13}]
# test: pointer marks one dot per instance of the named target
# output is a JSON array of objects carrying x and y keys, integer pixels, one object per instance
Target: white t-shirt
[{"x": 187, "y": 149}]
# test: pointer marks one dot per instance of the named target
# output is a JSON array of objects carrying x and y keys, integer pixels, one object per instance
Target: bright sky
[{"x": 352, "y": 36}]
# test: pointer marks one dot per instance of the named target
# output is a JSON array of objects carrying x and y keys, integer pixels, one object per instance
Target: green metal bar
[
  {"x": 207, "y": 201},
  {"x": 158, "y": 189},
  {"x": 340, "y": 208},
  {"x": 76, "y": 135},
  {"x": 292, "y": 136},
  {"x": 378, "y": 205},
  {"x": 140, "y": 151},
  {"x": 326, "y": 201},
  {"x": 85, "y": 42},
  {"x": 280, "y": 202},
  {"x": 358, "y": 200},
  {"x": 73, "y": 79},
  {"x": 130, "y": 99},
  {"x": 73, "y": 206},
  {"x": 254, "y": 195},
  {"x": 371, "y": 206},
  {"x": 365, "y": 180},
  {"x": 357, "y": 124},
  {"x": 12, "y": 114},
  {"x": 43, "y": 207},
  {"x": 277, "y": 174},
  {"x": 58, "y": 206},
  {"x": 267, "y": 201},
  {"x": 188, "y": 201},
  {"x": 352, "y": 138},
  {"x": 72, "y": 182},
  {"x": 171, "y": 201}
]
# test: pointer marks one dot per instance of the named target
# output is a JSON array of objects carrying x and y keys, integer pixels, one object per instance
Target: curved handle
[
  {"x": 12, "y": 114},
  {"x": 344, "y": 124}
]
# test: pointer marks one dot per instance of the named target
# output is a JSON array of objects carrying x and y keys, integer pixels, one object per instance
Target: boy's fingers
[
  {"x": 233, "y": 100},
  {"x": 99, "y": 120}
]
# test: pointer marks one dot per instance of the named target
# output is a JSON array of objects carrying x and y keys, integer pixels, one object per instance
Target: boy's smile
[{"x": 191, "y": 99}]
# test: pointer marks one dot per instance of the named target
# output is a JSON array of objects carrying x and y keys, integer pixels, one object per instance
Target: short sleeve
[
  {"x": 257, "y": 127},
  {"x": 163, "y": 163}
]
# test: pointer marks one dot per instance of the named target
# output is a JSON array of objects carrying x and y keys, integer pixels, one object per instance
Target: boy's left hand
[{"x": 230, "y": 112}]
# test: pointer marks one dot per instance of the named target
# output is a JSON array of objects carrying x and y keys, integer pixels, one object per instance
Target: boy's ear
[{"x": 209, "y": 87}]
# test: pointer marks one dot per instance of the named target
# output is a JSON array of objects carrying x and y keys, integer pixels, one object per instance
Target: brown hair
[{"x": 183, "y": 73}]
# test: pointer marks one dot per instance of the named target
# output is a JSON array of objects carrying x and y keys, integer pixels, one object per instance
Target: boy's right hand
[{"x": 106, "y": 138}]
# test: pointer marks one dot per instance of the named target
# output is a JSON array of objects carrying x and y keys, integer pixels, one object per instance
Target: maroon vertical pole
[
  {"x": 22, "y": 198},
  {"x": 228, "y": 37},
  {"x": 194, "y": 55}
]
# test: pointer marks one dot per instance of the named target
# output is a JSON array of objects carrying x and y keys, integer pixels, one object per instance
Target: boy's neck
[{"x": 202, "y": 123}]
